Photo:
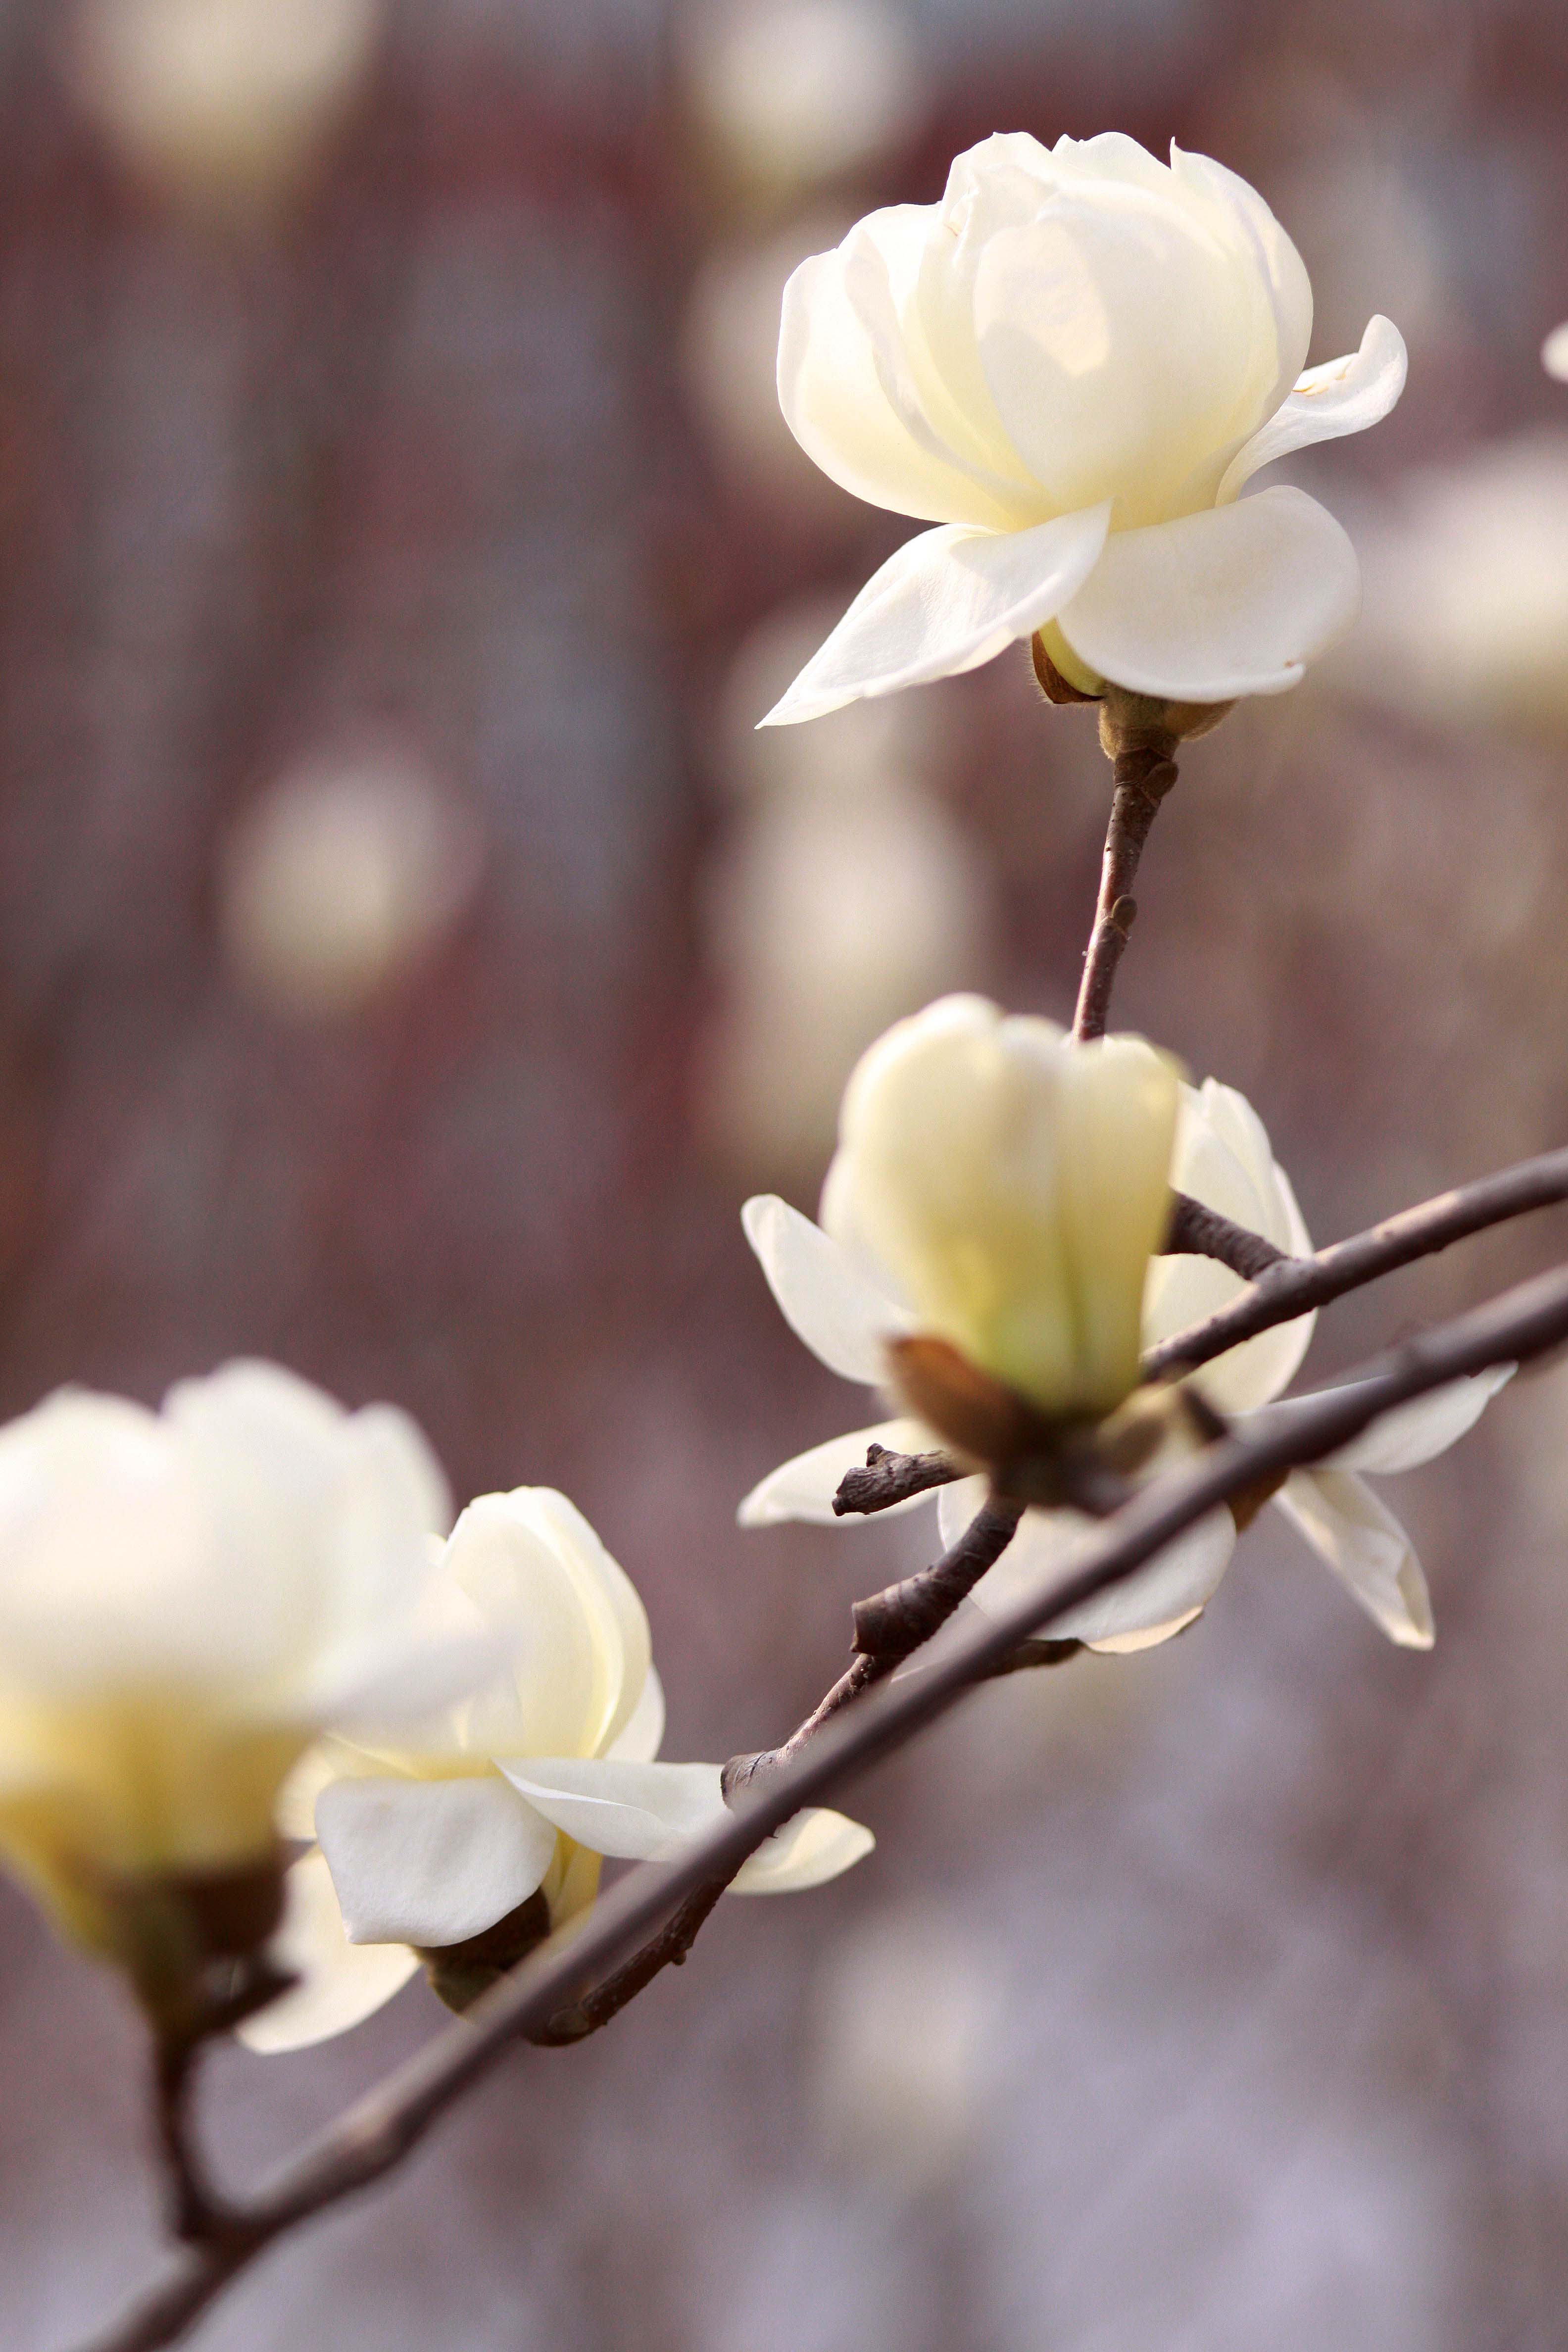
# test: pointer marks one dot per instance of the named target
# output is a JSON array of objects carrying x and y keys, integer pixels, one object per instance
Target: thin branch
[
  {"x": 667, "y": 1949},
  {"x": 1195, "y": 1230},
  {"x": 377, "y": 2133},
  {"x": 1143, "y": 777},
  {"x": 890, "y": 1627},
  {"x": 1295, "y": 1284}
]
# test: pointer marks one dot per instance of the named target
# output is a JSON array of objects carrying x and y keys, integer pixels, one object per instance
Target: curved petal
[
  {"x": 1152, "y": 1604},
  {"x": 1234, "y": 601},
  {"x": 1554, "y": 353},
  {"x": 1224, "y": 1159},
  {"x": 637, "y": 1812},
  {"x": 340, "y": 1983},
  {"x": 826, "y": 1301},
  {"x": 567, "y": 1674},
  {"x": 1367, "y": 1548},
  {"x": 1419, "y": 1432},
  {"x": 639, "y": 1738},
  {"x": 647, "y": 1812},
  {"x": 1343, "y": 397},
  {"x": 948, "y": 601},
  {"x": 846, "y": 396},
  {"x": 805, "y": 1488},
  {"x": 429, "y": 1862},
  {"x": 816, "y": 1846},
  {"x": 571, "y": 1537}
]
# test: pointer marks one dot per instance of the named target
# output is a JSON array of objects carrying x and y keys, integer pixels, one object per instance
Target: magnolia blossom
[
  {"x": 1009, "y": 1186},
  {"x": 186, "y": 1598},
  {"x": 1072, "y": 365},
  {"x": 1222, "y": 1158},
  {"x": 1554, "y": 353},
  {"x": 423, "y": 1842}
]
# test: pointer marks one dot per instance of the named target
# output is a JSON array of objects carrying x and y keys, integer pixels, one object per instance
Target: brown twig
[
  {"x": 889, "y": 1627},
  {"x": 1295, "y": 1284},
  {"x": 667, "y": 1949},
  {"x": 380, "y": 2130},
  {"x": 1196, "y": 1231},
  {"x": 1143, "y": 776},
  {"x": 889, "y": 1478}
]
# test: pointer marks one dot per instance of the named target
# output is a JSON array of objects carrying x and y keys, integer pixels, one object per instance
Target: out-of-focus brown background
[{"x": 409, "y": 960}]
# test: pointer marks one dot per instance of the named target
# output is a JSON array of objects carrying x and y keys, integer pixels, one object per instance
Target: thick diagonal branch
[
  {"x": 1143, "y": 777},
  {"x": 376, "y": 2134}
]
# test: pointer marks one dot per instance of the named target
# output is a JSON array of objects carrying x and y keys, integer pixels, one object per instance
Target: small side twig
[
  {"x": 888, "y": 1628},
  {"x": 667, "y": 1949},
  {"x": 1196, "y": 1231},
  {"x": 1295, "y": 1284},
  {"x": 889, "y": 1478}
]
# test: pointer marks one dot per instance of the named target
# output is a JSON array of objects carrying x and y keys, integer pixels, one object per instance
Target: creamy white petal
[
  {"x": 854, "y": 418},
  {"x": 1158, "y": 1600},
  {"x": 1365, "y": 1546},
  {"x": 639, "y": 1738},
  {"x": 637, "y": 1812},
  {"x": 803, "y": 1488},
  {"x": 814, "y": 1846},
  {"x": 948, "y": 601},
  {"x": 1232, "y": 602},
  {"x": 648, "y": 1812},
  {"x": 567, "y": 1677},
  {"x": 429, "y": 1862},
  {"x": 1149, "y": 1637},
  {"x": 605, "y": 1580},
  {"x": 826, "y": 1301},
  {"x": 295, "y": 1812},
  {"x": 341, "y": 1983},
  {"x": 1345, "y": 395},
  {"x": 1419, "y": 1432},
  {"x": 1554, "y": 353}
]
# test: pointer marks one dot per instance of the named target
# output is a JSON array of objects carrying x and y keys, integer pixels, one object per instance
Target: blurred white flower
[
  {"x": 1008, "y": 1188},
  {"x": 1555, "y": 353},
  {"x": 844, "y": 893},
  {"x": 186, "y": 1599},
  {"x": 339, "y": 879},
  {"x": 800, "y": 90},
  {"x": 1467, "y": 570},
  {"x": 904, "y": 2009},
  {"x": 1222, "y": 1158},
  {"x": 223, "y": 99},
  {"x": 504, "y": 1804},
  {"x": 1072, "y": 365}
]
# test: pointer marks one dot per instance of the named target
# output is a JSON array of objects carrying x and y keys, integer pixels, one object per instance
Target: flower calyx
[
  {"x": 1030, "y": 1456},
  {"x": 459, "y": 1973},
  {"x": 1128, "y": 721},
  {"x": 194, "y": 1945}
]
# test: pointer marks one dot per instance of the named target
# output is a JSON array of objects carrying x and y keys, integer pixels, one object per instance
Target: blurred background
[{"x": 410, "y": 958}]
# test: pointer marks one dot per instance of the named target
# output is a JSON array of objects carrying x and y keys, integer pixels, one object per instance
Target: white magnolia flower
[
  {"x": 1011, "y": 1186},
  {"x": 1554, "y": 353},
  {"x": 1072, "y": 365},
  {"x": 1222, "y": 1158},
  {"x": 425, "y": 1842},
  {"x": 186, "y": 1598}
]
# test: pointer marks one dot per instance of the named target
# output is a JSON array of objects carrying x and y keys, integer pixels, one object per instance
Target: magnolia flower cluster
[
  {"x": 1072, "y": 366},
  {"x": 972, "y": 1198},
  {"x": 240, "y": 1617}
]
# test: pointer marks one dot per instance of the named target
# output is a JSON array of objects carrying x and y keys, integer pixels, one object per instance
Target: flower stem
[{"x": 1144, "y": 774}]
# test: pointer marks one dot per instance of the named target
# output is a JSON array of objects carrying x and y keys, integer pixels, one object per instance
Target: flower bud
[{"x": 1014, "y": 1186}]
